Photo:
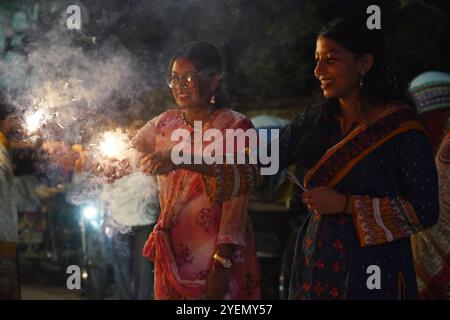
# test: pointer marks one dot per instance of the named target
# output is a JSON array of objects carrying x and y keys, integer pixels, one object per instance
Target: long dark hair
[
  {"x": 207, "y": 59},
  {"x": 381, "y": 84}
]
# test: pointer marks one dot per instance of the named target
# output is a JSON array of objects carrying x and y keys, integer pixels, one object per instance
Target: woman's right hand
[{"x": 324, "y": 200}]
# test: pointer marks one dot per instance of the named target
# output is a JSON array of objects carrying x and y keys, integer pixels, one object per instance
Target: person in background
[
  {"x": 9, "y": 275},
  {"x": 133, "y": 209},
  {"x": 431, "y": 95},
  {"x": 430, "y": 92}
]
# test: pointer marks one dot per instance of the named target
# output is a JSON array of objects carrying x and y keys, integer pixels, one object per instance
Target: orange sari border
[{"x": 337, "y": 162}]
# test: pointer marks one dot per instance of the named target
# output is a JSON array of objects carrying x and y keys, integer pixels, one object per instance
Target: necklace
[{"x": 183, "y": 118}]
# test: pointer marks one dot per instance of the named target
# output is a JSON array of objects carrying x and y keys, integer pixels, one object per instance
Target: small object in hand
[{"x": 294, "y": 180}]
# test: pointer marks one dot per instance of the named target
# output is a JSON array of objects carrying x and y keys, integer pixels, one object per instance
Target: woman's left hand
[
  {"x": 324, "y": 200},
  {"x": 218, "y": 282}
]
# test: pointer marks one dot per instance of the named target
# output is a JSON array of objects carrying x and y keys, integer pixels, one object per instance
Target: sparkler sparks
[
  {"x": 51, "y": 102},
  {"x": 115, "y": 144},
  {"x": 33, "y": 121}
]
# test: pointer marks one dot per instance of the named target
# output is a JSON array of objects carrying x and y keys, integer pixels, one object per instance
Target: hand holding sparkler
[
  {"x": 157, "y": 163},
  {"x": 114, "y": 155}
]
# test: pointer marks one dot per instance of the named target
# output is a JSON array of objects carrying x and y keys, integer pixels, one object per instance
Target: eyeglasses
[{"x": 186, "y": 81}]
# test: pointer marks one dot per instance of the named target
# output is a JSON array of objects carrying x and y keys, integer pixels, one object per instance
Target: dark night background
[{"x": 268, "y": 47}]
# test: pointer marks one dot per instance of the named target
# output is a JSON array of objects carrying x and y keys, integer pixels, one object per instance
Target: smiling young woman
[{"x": 370, "y": 176}]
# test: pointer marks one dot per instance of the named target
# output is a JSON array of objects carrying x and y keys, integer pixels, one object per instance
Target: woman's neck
[
  {"x": 197, "y": 114},
  {"x": 350, "y": 108}
]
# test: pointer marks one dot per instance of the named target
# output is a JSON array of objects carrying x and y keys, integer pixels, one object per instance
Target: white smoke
[{"x": 68, "y": 84}]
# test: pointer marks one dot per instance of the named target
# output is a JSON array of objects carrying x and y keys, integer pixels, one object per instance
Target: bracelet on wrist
[{"x": 224, "y": 262}]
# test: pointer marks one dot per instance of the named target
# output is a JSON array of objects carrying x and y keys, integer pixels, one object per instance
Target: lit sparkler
[
  {"x": 115, "y": 144},
  {"x": 51, "y": 103},
  {"x": 33, "y": 121}
]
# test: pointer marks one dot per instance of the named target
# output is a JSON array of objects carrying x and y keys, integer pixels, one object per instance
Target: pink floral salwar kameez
[{"x": 192, "y": 223}]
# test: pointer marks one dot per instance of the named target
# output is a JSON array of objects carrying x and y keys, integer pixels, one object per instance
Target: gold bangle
[{"x": 226, "y": 263}]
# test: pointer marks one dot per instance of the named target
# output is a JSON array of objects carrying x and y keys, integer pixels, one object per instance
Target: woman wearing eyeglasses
[
  {"x": 370, "y": 179},
  {"x": 202, "y": 247}
]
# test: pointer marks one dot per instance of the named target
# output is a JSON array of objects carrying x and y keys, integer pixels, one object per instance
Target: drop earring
[{"x": 213, "y": 99}]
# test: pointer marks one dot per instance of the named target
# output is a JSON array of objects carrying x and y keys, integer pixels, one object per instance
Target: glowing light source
[
  {"x": 33, "y": 121},
  {"x": 90, "y": 213},
  {"x": 115, "y": 144}
]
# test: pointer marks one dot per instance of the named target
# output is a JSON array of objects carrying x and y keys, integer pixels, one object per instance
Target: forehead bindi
[{"x": 182, "y": 66}]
